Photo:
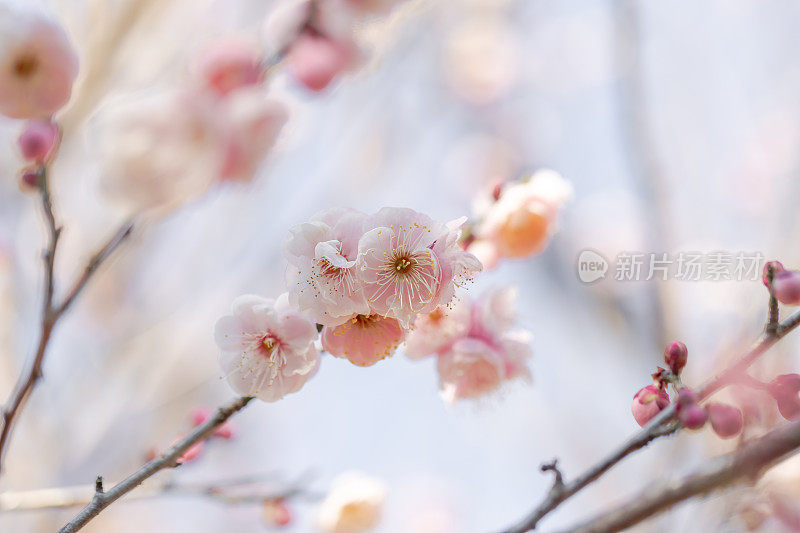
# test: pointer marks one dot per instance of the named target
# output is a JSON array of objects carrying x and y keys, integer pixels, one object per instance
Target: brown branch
[
  {"x": 233, "y": 491},
  {"x": 101, "y": 500},
  {"x": 745, "y": 464},
  {"x": 662, "y": 424},
  {"x": 51, "y": 312}
]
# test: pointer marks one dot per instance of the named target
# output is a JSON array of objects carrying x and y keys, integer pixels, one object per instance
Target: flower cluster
[
  {"x": 726, "y": 420},
  {"x": 476, "y": 349},
  {"x": 517, "y": 219},
  {"x": 367, "y": 278}
]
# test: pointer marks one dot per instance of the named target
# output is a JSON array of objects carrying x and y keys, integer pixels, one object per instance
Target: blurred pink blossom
[
  {"x": 438, "y": 329},
  {"x": 228, "y": 64},
  {"x": 315, "y": 59},
  {"x": 354, "y": 504},
  {"x": 267, "y": 348},
  {"x": 252, "y": 124},
  {"x": 363, "y": 340},
  {"x": 37, "y": 63}
]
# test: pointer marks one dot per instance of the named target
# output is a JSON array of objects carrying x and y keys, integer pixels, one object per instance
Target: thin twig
[
  {"x": 169, "y": 459},
  {"x": 662, "y": 424},
  {"x": 745, "y": 464},
  {"x": 233, "y": 491},
  {"x": 51, "y": 311}
]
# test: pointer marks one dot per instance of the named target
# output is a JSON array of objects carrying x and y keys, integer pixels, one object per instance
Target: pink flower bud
[
  {"x": 315, "y": 60},
  {"x": 686, "y": 397},
  {"x": 785, "y": 389},
  {"x": 194, "y": 451},
  {"x": 726, "y": 420},
  {"x": 676, "y": 355},
  {"x": 199, "y": 415},
  {"x": 226, "y": 431},
  {"x": 692, "y": 416},
  {"x": 276, "y": 513},
  {"x": 776, "y": 267},
  {"x": 29, "y": 179},
  {"x": 39, "y": 140},
  {"x": 648, "y": 402},
  {"x": 786, "y": 287}
]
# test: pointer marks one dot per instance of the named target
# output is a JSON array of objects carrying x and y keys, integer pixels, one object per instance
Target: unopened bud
[{"x": 676, "y": 355}]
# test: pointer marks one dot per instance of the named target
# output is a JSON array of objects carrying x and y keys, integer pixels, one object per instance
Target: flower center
[
  {"x": 402, "y": 264},
  {"x": 25, "y": 66},
  {"x": 269, "y": 343}
]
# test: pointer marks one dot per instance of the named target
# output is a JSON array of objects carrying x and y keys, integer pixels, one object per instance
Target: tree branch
[
  {"x": 51, "y": 312},
  {"x": 745, "y": 464},
  {"x": 101, "y": 500},
  {"x": 662, "y": 424},
  {"x": 227, "y": 491}
]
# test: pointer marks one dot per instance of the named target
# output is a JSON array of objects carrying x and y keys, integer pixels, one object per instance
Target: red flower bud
[
  {"x": 647, "y": 403},
  {"x": 785, "y": 389},
  {"x": 786, "y": 287},
  {"x": 676, "y": 355},
  {"x": 38, "y": 141},
  {"x": 726, "y": 420}
]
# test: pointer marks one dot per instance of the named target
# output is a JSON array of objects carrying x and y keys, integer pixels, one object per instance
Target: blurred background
[{"x": 678, "y": 123}]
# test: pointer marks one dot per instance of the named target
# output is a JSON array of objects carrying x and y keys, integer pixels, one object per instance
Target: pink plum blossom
[
  {"x": 521, "y": 219},
  {"x": 411, "y": 264},
  {"x": 37, "y": 63},
  {"x": 228, "y": 64},
  {"x": 478, "y": 348},
  {"x": 39, "y": 140},
  {"x": 322, "y": 276},
  {"x": 252, "y": 124},
  {"x": 363, "y": 340},
  {"x": 726, "y": 420},
  {"x": 436, "y": 330},
  {"x": 786, "y": 287},
  {"x": 315, "y": 59},
  {"x": 267, "y": 348}
]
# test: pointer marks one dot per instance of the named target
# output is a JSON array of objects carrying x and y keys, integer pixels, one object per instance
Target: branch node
[
  {"x": 98, "y": 485},
  {"x": 558, "y": 477}
]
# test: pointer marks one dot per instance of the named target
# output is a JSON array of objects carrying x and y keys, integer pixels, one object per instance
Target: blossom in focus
[
  {"x": 267, "y": 348},
  {"x": 37, "y": 63},
  {"x": 160, "y": 150},
  {"x": 411, "y": 264},
  {"x": 228, "y": 64},
  {"x": 252, "y": 123},
  {"x": 647, "y": 403},
  {"x": 39, "y": 140},
  {"x": 315, "y": 59},
  {"x": 354, "y": 504},
  {"x": 322, "y": 277},
  {"x": 518, "y": 219},
  {"x": 363, "y": 340}
]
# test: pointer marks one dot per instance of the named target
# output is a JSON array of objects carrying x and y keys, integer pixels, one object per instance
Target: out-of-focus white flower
[
  {"x": 253, "y": 122},
  {"x": 268, "y": 349},
  {"x": 353, "y": 505},
  {"x": 37, "y": 63},
  {"x": 160, "y": 150}
]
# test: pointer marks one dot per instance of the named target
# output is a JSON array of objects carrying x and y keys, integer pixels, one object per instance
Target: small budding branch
[{"x": 658, "y": 417}]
